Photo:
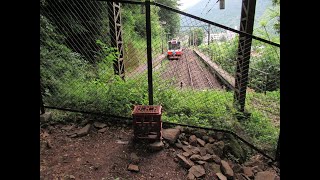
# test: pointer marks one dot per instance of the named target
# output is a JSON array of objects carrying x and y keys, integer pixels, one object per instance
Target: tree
[
  {"x": 277, "y": 24},
  {"x": 196, "y": 36},
  {"x": 82, "y": 22},
  {"x": 270, "y": 21},
  {"x": 199, "y": 35},
  {"x": 171, "y": 18}
]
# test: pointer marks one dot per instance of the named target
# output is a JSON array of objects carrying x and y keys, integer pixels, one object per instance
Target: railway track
[
  {"x": 198, "y": 77},
  {"x": 187, "y": 72},
  {"x": 205, "y": 75}
]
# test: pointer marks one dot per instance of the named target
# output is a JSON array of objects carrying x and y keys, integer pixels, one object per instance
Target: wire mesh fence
[
  {"x": 94, "y": 58},
  {"x": 78, "y": 58}
]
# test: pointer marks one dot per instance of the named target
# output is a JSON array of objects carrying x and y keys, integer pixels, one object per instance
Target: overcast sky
[{"x": 187, "y": 3}]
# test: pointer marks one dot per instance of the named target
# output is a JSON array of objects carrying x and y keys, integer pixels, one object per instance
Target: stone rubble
[{"x": 201, "y": 152}]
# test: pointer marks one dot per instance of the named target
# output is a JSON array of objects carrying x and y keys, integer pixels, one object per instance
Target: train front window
[{"x": 174, "y": 46}]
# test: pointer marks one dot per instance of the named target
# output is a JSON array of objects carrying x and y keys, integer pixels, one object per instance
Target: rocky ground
[{"x": 95, "y": 150}]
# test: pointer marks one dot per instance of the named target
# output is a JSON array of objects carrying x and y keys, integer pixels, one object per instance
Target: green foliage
[
  {"x": 196, "y": 36},
  {"x": 134, "y": 28},
  {"x": 172, "y": 19},
  {"x": 264, "y": 123},
  {"x": 276, "y": 13},
  {"x": 267, "y": 59},
  {"x": 270, "y": 22},
  {"x": 57, "y": 62},
  {"x": 263, "y": 133},
  {"x": 223, "y": 53},
  {"x": 79, "y": 21}
]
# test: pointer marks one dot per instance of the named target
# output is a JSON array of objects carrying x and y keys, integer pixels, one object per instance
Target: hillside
[{"x": 230, "y": 16}]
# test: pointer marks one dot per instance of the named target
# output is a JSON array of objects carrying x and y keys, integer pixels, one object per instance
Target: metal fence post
[
  {"x": 278, "y": 151},
  {"x": 149, "y": 53},
  {"x": 41, "y": 102},
  {"x": 244, "y": 49}
]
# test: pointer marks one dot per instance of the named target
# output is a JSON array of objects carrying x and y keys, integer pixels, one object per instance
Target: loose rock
[
  {"x": 186, "y": 154},
  {"x": 265, "y": 175},
  {"x": 134, "y": 158},
  {"x": 209, "y": 148},
  {"x": 218, "y": 148},
  {"x": 193, "y": 140},
  {"x": 102, "y": 130},
  {"x": 195, "y": 157},
  {"x": 171, "y": 135},
  {"x": 248, "y": 171},
  {"x": 226, "y": 169},
  {"x": 156, "y": 146},
  {"x": 201, "y": 162},
  {"x": 221, "y": 176},
  {"x": 216, "y": 159},
  {"x": 203, "y": 151},
  {"x": 205, "y": 138},
  {"x": 67, "y": 128},
  {"x": 187, "y": 149},
  {"x": 207, "y": 157},
  {"x": 179, "y": 145},
  {"x": 197, "y": 171},
  {"x": 184, "y": 161},
  {"x": 216, "y": 168},
  {"x": 133, "y": 167},
  {"x": 201, "y": 142},
  {"x": 211, "y": 140},
  {"x": 191, "y": 176},
  {"x": 99, "y": 125},
  {"x": 84, "y": 131}
]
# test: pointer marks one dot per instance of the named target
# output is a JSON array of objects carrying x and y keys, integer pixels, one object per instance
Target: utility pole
[
  {"x": 192, "y": 37},
  {"x": 115, "y": 26},
  {"x": 221, "y": 4},
  {"x": 162, "y": 23},
  {"x": 208, "y": 34}
]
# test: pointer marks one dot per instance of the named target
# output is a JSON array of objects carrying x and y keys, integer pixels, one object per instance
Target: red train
[{"x": 174, "y": 49}]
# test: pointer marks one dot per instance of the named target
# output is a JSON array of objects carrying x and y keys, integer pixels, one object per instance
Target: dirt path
[
  {"x": 99, "y": 156},
  {"x": 106, "y": 156}
]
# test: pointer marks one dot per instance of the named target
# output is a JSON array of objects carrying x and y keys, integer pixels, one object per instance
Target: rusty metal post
[
  {"x": 115, "y": 27},
  {"x": 244, "y": 49},
  {"x": 149, "y": 52}
]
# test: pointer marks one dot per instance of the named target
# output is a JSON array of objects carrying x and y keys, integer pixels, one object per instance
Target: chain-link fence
[
  {"x": 195, "y": 66},
  {"x": 80, "y": 53}
]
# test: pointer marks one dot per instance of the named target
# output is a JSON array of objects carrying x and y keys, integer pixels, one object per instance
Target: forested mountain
[{"x": 230, "y": 16}]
